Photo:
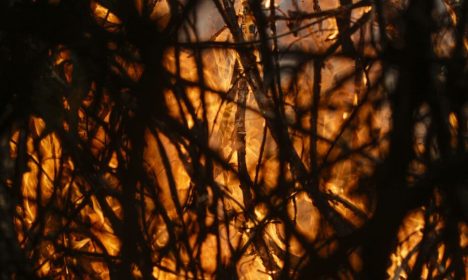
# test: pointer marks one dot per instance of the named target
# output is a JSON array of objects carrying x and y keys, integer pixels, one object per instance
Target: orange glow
[{"x": 233, "y": 230}]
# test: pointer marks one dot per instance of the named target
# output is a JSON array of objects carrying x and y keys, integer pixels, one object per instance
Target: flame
[
  {"x": 105, "y": 17},
  {"x": 218, "y": 69},
  {"x": 409, "y": 236},
  {"x": 49, "y": 186}
]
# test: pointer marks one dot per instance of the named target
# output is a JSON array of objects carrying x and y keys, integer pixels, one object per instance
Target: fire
[{"x": 222, "y": 181}]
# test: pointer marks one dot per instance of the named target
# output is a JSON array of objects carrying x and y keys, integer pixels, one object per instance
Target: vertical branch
[
  {"x": 314, "y": 120},
  {"x": 241, "y": 143}
]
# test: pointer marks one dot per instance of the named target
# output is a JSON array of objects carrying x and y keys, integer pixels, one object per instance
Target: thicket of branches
[{"x": 99, "y": 127}]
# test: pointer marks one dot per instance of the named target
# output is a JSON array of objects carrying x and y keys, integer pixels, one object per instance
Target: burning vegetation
[{"x": 233, "y": 139}]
